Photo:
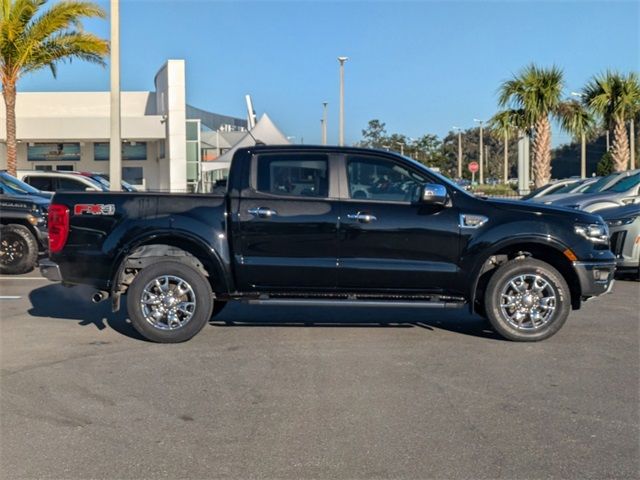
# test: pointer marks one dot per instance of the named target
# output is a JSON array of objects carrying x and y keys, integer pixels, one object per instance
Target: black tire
[
  {"x": 18, "y": 249},
  {"x": 556, "y": 286},
  {"x": 200, "y": 291},
  {"x": 218, "y": 306}
]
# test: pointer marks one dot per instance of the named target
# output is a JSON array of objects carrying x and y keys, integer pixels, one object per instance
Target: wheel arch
[
  {"x": 182, "y": 246},
  {"x": 549, "y": 252}
]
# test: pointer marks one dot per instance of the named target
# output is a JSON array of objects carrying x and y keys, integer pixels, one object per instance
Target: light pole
[
  {"x": 342, "y": 60},
  {"x": 401, "y": 147},
  {"x": 481, "y": 122},
  {"x": 632, "y": 144},
  {"x": 324, "y": 123},
  {"x": 115, "y": 141},
  {"x": 459, "y": 130},
  {"x": 583, "y": 145}
]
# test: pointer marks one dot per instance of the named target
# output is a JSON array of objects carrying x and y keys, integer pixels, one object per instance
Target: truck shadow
[
  {"x": 460, "y": 321},
  {"x": 56, "y": 301}
]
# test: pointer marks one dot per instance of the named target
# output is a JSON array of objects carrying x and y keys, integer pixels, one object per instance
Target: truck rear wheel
[
  {"x": 18, "y": 249},
  {"x": 169, "y": 302},
  {"x": 527, "y": 300}
]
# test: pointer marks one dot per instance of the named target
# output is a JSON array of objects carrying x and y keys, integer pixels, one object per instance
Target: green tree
[
  {"x": 577, "y": 120},
  {"x": 502, "y": 126},
  {"x": 536, "y": 92},
  {"x": 605, "y": 165},
  {"x": 32, "y": 38},
  {"x": 615, "y": 98},
  {"x": 374, "y": 136}
]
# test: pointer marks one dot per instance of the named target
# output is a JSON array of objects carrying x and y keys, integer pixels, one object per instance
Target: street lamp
[
  {"x": 481, "y": 122},
  {"x": 324, "y": 122},
  {"x": 342, "y": 60},
  {"x": 115, "y": 141},
  {"x": 583, "y": 145},
  {"x": 459, "y": 130},
  {"x": 401, "y": 147}
]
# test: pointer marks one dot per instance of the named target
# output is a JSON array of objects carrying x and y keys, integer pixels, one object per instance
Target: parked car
[
  {"x": 61, "y": 181},
  {"x": 290, "y": 230},
  {"x": 625, "y": 190},
  {"x": 103, "y": 178},
  {"x": 624, "y": 227},
  {"x": 550, "y": 188},
  {"x": 577, "y": 187},
  {"x": 23, "y": 232}
]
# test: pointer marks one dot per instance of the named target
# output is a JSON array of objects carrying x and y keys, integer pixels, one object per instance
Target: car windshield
[
  {"x": 599, "y": 185},
  {"x": 625, "y": 184},
  {"x": 16, "y": 187},
  {"x": 570, "y": 187}
]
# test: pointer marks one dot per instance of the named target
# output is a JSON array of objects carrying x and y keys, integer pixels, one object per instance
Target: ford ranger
[{"x": 303, "y": 225}]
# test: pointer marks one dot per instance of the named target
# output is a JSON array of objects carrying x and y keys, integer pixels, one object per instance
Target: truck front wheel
[
  {"x": 169, "y": 302},
  {"x": 527, "y": 300}
]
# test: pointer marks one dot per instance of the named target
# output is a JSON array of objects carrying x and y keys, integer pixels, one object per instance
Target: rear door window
[
  {"x": 41, "y": 183},
  {"x": 296, "y": 175},
  {"x": 71, "y": 185}
]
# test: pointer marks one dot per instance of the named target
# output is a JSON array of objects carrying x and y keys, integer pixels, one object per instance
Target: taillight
[{"x": 58, "y": 227}]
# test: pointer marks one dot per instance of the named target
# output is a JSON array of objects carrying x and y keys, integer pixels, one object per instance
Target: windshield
[
  {"x": 599, "y": 185},
  {"x": 625, "y": 184},
  {"x": 571, "y": 187},
  {"x": 16, "y": 187}
]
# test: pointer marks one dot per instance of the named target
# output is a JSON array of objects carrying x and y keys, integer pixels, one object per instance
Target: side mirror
[{"x": 434, "y": 194}]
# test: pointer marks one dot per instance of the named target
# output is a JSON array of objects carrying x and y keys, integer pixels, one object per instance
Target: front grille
[{"x": 617, "y": 242}]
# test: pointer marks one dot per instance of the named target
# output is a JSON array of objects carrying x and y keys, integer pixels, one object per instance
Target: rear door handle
[
  {"x": 262, "y": 212},
  {"x": 362, "y": 217}
]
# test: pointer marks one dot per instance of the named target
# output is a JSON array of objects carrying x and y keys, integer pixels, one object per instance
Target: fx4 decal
[{"x": 94, "y": 209}]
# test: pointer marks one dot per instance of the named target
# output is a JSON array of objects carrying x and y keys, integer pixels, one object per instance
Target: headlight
[
  {"x": 593, "y": 232},
  {"x": 616, "y": 222}
]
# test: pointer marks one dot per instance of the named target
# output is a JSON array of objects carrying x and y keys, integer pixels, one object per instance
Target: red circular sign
[{"x": 474, "y": 167}]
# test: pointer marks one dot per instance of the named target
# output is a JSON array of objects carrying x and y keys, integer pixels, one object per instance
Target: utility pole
[
  {"x": 632, "y": 144},
  {"x": 341, "y": 138},
  {"x": 506, "y": 158},
  {"x": 459, "y": 150},
  {"x": 607, "y": 137},
  {"x": 324, "y": 123},
  {"x": 583, "y": 155},
  {"x": 115, "y": 141},
  {"x": 481, "y": 148}
]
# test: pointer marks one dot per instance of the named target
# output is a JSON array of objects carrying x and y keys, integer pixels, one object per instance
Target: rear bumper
[
  {"x": 596, "y": 278},
  {"x": 50, "y": 270}
]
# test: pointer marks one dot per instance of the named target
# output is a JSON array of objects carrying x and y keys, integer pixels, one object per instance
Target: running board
[{"x": 334, "y": 302}]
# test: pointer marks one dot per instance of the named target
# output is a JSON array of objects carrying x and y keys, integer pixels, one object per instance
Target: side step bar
[{"x": 333, "y": 302}]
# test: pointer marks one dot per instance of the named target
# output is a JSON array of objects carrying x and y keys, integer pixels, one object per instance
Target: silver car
[
  {"x": 577, "y": 187},
  {"x": 624, "y": 228},
  {"x": 625, "y": 190}
]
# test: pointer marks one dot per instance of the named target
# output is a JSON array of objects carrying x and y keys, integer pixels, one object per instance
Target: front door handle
[
  {"x": 262, "y": 212},
  {"x": 362, "y": 217}
]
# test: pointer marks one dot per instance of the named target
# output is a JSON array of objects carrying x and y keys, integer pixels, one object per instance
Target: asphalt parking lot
[{"x": 340, "y": 393}]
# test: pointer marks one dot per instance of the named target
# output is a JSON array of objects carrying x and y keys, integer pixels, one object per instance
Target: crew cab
[{"x": 305, "y": 225}]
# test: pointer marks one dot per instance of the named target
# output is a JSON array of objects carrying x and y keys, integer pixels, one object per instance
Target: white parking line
[{"x": 9, "y": 297}]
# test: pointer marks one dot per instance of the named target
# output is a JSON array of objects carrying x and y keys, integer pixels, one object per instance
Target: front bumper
[
  {"x": 50, "y": 270},
  {"x": 595, "y": 278}
]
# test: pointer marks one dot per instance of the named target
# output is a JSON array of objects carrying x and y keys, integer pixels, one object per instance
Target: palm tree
[
  {"x": 31, "y": 39},
  {"x": 577, "y": 120},
  {"x": 615, "y": 98},
  {"x": 536, "y": 91},
  {"x": 502, "y": 125}
]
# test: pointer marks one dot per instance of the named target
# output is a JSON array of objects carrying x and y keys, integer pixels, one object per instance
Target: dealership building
[{"x": 167, "y": 145}]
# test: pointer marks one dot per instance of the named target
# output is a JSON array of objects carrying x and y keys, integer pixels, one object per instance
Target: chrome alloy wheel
[
  {"x": 528, "y": 302},
  {"x": 168, "y": 302},
  {"x": 12, "y": 249}
]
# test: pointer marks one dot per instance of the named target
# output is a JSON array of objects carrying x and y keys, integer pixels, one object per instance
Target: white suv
[{"x": 60, "y": 181}]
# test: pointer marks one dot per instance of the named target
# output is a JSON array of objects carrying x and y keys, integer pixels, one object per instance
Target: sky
[{"x": 420, "y": 67}]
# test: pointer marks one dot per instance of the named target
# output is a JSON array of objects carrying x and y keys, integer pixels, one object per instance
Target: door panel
[
  {"x": 394, "y": 245},
  {"x": 287, "y": 226}
]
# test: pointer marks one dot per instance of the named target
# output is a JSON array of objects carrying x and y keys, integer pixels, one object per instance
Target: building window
[
  {"x": 53, "y": 151},
  {"x": 133, "y": 175},
  {"x": 130, "y": 151}
]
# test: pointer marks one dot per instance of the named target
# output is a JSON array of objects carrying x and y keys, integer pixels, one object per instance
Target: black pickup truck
[{"x": 329, "y": 226}]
